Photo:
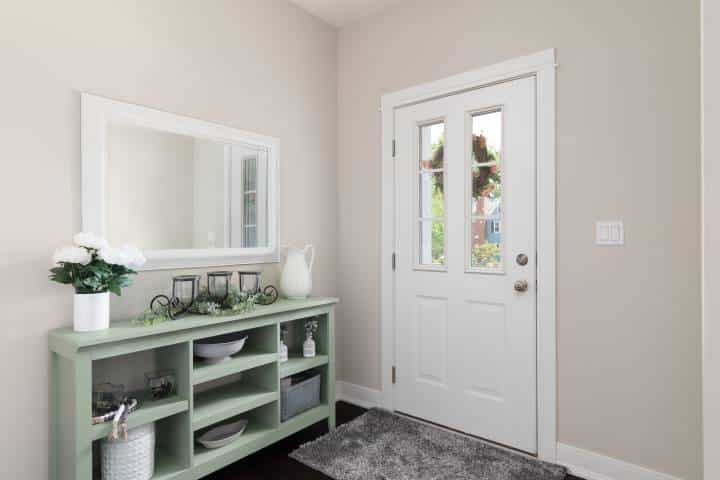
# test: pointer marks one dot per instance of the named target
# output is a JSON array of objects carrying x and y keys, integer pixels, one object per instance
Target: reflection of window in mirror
[{"x": 248, "y": 197}]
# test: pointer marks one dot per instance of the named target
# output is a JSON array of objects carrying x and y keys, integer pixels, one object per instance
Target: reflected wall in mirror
[
  {"x": 188, "y": 192},
  {"x": 170, "y": 191}
]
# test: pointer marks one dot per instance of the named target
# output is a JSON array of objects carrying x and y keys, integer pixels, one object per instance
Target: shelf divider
[{"x": 166, "y": 466}]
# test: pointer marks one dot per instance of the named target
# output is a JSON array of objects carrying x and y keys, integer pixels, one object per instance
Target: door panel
[
  {"x": 465, "y": 337},
  {"x": 432, "y": 341},
  {"x": 484, "y": 325}
]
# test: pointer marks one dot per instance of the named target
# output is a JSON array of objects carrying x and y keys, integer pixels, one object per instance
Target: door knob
[{"x": 521, "y": 286}]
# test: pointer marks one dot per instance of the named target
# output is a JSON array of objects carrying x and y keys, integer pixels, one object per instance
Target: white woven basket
[{"x": 131, "y": 459}]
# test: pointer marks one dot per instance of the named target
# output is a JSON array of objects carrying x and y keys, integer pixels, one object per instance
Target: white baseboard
[
  {"x": 594, "y": 466},
  {"x": 357, "y": 395}
]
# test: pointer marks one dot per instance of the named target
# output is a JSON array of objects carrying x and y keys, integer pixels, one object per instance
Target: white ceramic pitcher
[{"x": 296, "y": 277}]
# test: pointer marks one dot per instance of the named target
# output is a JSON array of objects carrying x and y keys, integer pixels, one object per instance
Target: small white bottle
[
  {"x": 283, "y": 348},
  {"x": 283, "y": 352},
  {"x": 309, "y": 346}
]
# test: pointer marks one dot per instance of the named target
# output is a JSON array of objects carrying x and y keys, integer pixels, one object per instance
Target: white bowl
[
  {"x": 216, "y": 350},
  {"x": 222, "y": 435}
]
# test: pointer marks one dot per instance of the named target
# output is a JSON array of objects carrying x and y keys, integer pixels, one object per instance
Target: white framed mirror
[{"x": 189, "y": 193}]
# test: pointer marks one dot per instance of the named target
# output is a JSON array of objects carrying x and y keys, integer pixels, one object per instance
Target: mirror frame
[{"x": 98, "y": 112}]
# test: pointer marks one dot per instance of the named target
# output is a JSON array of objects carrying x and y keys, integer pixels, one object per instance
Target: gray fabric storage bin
[{"x": 299, "y": 397}]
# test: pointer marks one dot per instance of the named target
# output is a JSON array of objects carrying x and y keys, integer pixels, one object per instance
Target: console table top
[{"x": 124, "y": 330}]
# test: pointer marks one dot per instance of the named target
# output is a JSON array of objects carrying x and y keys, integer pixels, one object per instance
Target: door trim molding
[{"x": 540, "y": 65}]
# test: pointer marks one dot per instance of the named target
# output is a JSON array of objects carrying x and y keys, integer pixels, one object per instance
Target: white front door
[{"x": 465, "y": 272}]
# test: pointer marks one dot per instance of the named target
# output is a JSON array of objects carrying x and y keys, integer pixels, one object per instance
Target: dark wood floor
[{"x": 273, "y": 462}]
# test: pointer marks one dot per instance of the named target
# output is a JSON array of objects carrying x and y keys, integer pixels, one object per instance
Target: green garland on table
[
  {"x": 236, "y": 302},
  {"x": 150, "y": 318}
]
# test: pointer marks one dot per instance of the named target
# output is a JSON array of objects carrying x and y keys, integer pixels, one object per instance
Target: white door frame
[{"x": 540, "y": 65}]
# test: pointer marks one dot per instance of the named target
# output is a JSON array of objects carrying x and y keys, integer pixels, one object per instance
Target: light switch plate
[{"x": 610, "y": 232}]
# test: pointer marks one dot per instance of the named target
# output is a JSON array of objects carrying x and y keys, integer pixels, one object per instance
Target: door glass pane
[
  {"x": 486, "y": 244},
  {"x": 432, "y": 242},
  {"x": 432, "y": 137},
  {"x": 431, "y": 195},
  {"x": 486, "y": 192}
]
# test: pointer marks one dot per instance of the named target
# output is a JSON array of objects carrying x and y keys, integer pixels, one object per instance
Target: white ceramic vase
[
  {"x": 296, "y": 277},
  {"x": 91, "y": 311}
]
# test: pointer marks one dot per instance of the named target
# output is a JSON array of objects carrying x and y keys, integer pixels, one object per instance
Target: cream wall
[
  {"x": 261, "y": 65},
  {"x": 628, "y": 123},
  {"x": 711, "y": 236}
]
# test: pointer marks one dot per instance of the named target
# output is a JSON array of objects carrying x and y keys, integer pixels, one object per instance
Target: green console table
[{"x": 194, "y": 406}]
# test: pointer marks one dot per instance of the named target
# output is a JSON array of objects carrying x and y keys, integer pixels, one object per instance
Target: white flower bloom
[
  {"x": 127, "y": 256},
  {"x": 90, "y": 240},
  {"x": 134, "y": 256},
  {"x": 113, "y": 256},
  {"x": 72, "y": 255}
]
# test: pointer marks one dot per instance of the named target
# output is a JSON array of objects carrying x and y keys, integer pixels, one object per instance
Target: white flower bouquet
[{"x": 93, "y": 266}]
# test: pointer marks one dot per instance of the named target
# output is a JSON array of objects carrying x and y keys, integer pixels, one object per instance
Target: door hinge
[
  {"x": 393, "y": 148},
  {"x": 394, "y": 261},
  {"x": 393, "y": 375}
]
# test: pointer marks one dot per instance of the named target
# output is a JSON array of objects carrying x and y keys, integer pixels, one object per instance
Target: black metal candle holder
[
  {"x": 179, "y": 303},
  {"x": 250, "y": 283},
  {"x": 269, "y": 295}
]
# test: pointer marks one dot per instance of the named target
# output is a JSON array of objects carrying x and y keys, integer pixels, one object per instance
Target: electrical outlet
[{"x": 609, "y": 233}]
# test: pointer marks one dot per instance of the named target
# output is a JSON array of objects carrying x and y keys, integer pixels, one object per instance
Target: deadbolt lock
[{"x": 521, "y": 259}]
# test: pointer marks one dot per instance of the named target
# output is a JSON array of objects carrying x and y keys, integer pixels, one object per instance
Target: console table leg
[
  {"x": 81, "y": 416},
  {"x": 53, "y": 411},
  {"x": 70, "y": 411},
  {"x": 331, "y": 368}
]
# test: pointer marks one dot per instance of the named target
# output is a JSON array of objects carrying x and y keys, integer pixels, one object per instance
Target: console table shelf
[
  {"x": 296, "y": 365},
  {"x": 196, "y": 405},
  {"x": 239, "y": 363},
  {"x": 150, "y": 411},
  {"x": 227, "y": 401}
]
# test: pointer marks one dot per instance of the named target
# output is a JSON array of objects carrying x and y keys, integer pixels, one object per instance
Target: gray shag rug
[{"x": 380, "y": 445}]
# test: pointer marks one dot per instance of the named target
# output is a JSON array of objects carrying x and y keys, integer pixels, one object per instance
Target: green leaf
[
  {"x": 61, "y": 275},
  {"x": 97, "y": 276}
]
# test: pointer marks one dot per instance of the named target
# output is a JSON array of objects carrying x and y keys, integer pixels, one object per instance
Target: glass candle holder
[
  {"x": 219, "y": 285},
  {"x": 106, "y": 397},
  {"x": 250, "y": 282},
  {"x": 185, "y": 290},
  {"x": 160, "y": 384}
]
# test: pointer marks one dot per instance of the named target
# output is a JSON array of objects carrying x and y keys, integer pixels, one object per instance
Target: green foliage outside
[
  {"x": 438, "y": 228},
  {"x": 487, "y": 254}
]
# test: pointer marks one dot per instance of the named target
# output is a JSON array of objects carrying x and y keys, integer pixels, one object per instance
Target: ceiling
[{"x": 343, "y": 12}]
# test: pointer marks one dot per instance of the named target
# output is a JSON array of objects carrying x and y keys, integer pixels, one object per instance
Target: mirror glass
[{"x": 165, "y": 191}]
